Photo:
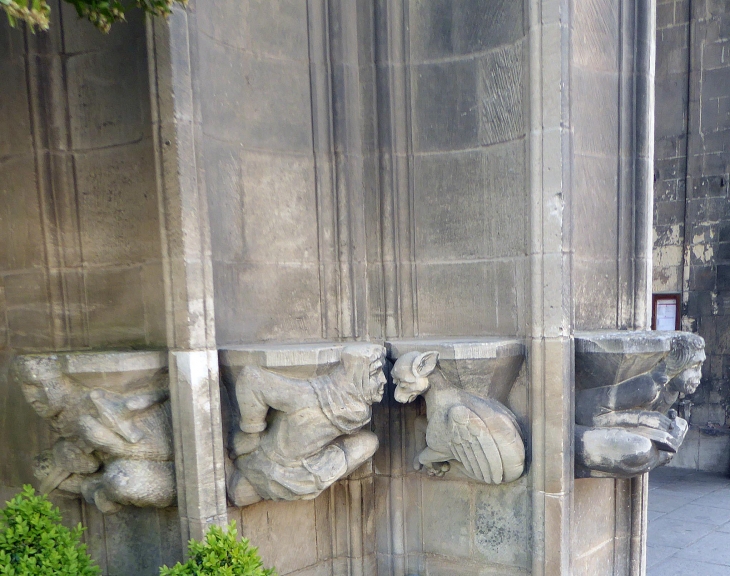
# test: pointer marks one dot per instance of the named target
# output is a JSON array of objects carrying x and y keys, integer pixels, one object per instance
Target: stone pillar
[
  {"x": 610, "y": 112},
  {"x": 185, "y": 232},
  {"x": 550, "y": 288}
]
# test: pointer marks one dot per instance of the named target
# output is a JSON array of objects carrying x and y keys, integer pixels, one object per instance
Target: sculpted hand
[
  {"x": 245, "y": 443},
  {"x": 616, "y": 452},
  {"x": 666, "y": 432}
]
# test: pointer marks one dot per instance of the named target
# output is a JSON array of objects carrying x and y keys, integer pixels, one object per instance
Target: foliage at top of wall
[
  {"x": 33, "y": 542},
  {"x": 221, "y": 554},
  {"x": 101, "y": 13}
]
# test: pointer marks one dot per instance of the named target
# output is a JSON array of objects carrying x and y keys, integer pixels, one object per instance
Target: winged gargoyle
[{"x": 480, "y": 434}]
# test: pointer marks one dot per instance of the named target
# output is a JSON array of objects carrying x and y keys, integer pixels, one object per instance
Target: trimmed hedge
[{"x": 33, "y": 542}]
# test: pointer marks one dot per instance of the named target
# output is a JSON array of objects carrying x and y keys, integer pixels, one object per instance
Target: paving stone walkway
[{"x": 689, "y": 523}]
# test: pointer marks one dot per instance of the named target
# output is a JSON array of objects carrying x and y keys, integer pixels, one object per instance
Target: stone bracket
[{"x": 625, "y": 386}]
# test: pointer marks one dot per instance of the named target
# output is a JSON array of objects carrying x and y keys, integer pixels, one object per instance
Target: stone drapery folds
[{"x": 298, "y": 433}]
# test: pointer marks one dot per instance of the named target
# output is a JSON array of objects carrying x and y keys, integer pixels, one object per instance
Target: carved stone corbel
[
  {"x": 625, "y": 386},
  {"x": 466, "y": 385},
  {"x": 299, "y": 414},
  {"x": 111, "y": 413}
]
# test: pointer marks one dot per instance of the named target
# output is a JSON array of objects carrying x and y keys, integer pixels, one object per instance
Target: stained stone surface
[
  {"x": 285, "y": 173},
  {"x": 300, "y": 427},
  {"x": 471, "y": 429},
  {"x": 502, "y": 525},
  {"x": 626, "y": 383},
  {"x": 691, "y": 215},
  {"x": 111, "y": 413},
  {"x": 452, "y": 516}
]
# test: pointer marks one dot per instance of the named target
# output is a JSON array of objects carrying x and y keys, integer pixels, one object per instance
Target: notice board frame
[{"x": 678, "y": 300}]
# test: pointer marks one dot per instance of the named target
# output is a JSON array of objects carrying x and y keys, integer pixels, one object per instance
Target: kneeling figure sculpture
[
  {"x": 297, "y": 436},
  {"x": 111, "y": 413}
]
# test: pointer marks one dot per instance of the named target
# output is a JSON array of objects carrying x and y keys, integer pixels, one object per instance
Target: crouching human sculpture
[
  {"x": 480, "y": 434},
  {"x": 297, "y": 436},
  {"x": 624, "y": 425},
  {"x": 111, "y": 413}
]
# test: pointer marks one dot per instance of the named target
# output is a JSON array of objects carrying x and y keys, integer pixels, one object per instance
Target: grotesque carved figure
[
  {"x": 480, "y": 434},
  {"x": 297, "y": 436},
  {"x": 627, "y": 428},
  {"x": 115, "y": 445}
]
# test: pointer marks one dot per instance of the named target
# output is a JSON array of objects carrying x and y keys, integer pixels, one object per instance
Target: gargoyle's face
[
  {"x": 408, "y": 385},
  {"x": 377, "y": 379},
  {"x": 48, "y": 398},
  {"x": 363, "y": 364},
  {"x": 688, "y": 380}
]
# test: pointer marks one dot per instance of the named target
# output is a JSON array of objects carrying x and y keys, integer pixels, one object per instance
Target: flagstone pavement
[{"x": 689, "y": 523}]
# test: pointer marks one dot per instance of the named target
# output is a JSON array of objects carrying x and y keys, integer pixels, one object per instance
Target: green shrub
[
  {"x": 33, "y": 542},
  {"x": 220, "y": 555}
]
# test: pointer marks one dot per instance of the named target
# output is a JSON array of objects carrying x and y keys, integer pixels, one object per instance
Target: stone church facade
[{"x": 370, "y": 278}]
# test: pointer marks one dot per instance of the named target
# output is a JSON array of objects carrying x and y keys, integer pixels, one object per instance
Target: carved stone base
[
  {"x": 626, "y": 384},
  {"x": 466, "y": 384},
  {"x": 111, "y": 413}
]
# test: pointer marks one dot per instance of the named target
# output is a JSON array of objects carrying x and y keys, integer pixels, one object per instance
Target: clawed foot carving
[{"x": 437, "y": 469}]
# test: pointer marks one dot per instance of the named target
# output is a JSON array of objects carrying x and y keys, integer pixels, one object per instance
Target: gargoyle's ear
[{"x": 425, "y": 363}]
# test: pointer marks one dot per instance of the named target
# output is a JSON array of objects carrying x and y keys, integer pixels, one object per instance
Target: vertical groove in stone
[
  {"x": 48, "y": 101},
  {"x": 551, "y": 307},
  {"x": 691, "y": 147},
  {"x": 336, "y": 31},
  {"x": 321, "y": 102},
  {"x": 397, "y": 500},
  {"x": 644, "y": 200},
  {"x": 644, "y": 150},
  {"x": 626, "y": 244},
  {"x": 395, "y": 148}
]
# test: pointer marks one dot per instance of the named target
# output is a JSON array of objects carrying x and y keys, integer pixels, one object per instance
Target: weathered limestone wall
[
  {"x": 465, "y": 78},
  {"x": 393, "y": 140},
  {"x": 80, "y": 260},
  {"x": 672, "y": 68},
  {"x": 611, "y": 184},
  {"x": 394, "y": 260},
  {"x": 595, "y": 81},
  {"x": 260, "y": 169},
  {"x": 336, "y": 171},
  {"x": 467, "y": 83},
  {"x": 691, "y": 216}
]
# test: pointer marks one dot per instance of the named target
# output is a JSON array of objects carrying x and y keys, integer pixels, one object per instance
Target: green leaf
[
  {"x": 33, "y": 540},
  {"x": 221, "y": 554}
]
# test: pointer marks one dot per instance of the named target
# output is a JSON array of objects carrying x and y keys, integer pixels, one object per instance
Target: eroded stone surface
[
  {"x": 626, "y": 384},
  {"x": 111, "y": 413},
  {"x": 477, "y": 433},
  {"x": 300, "y": 413}
]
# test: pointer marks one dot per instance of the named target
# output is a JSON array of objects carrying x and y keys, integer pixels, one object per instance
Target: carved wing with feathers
[{"x": 488, "y": 444}]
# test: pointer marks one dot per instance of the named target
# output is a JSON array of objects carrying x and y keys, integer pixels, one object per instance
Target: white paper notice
[{"x": 666, "y": 314}]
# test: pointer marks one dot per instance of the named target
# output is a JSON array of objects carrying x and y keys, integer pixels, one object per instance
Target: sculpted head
[
  {"x": 47, "y": 397},
  {"x": 43, "y": 384},
  {"x": 410, "y": 374},
  {"x": 364, "y": 363},
  {"x": 684, "y": 362}
]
